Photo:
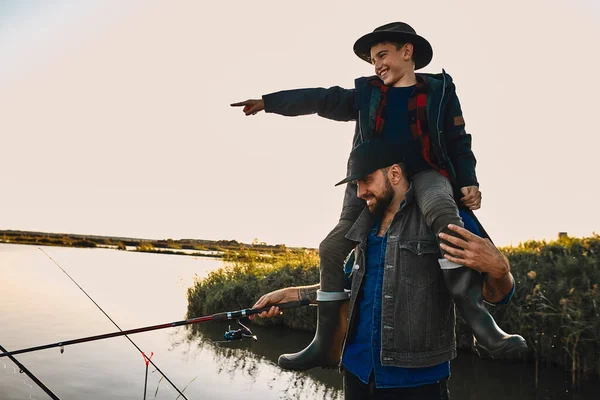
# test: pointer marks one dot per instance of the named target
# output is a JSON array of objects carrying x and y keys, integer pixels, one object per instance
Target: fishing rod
[
  {"x": 224, "y": 316},
  {"x": 118, "y": 327},
  {"x": 31, "y": 376}
]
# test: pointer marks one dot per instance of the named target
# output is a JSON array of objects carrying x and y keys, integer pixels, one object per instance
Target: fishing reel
[{"x": 243, "y": 332}]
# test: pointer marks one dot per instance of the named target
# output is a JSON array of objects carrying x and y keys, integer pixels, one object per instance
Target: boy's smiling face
[{"x": 392, "y": 61}]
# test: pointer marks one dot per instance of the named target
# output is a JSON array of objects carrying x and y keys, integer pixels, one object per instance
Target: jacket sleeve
[
  {"x": 334, "y": 103},
  {"x": 458, "y": 144}
]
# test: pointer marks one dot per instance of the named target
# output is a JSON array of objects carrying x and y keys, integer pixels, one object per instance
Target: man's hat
[
  {"x": 370, "y": 156},
  {"x": 397, "y": 32}
]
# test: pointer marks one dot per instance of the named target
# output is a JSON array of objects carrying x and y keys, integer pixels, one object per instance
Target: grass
[{"x": 556, "y": 306}]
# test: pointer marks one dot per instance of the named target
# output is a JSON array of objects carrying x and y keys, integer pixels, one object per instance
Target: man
[
  {"x": 421, "y": 114},
  {"x": 400, "y": 336}
]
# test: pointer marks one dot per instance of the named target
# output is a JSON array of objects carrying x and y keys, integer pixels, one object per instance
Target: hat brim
[
  {"x": 350, "y": 179},
  {"x": 422, "y": 53}
]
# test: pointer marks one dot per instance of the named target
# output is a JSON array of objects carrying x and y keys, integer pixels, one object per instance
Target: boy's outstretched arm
[{"x": 333, "y": 103}]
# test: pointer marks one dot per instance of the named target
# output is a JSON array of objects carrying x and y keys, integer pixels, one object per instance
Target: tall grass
[
  {"x": 247, "y": 275},
  {"x": 556, "y": 306}
]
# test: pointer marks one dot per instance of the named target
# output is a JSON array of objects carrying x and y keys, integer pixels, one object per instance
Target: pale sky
[{"x": 115, "y": 117}]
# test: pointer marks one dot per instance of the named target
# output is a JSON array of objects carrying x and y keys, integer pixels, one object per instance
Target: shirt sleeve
[
  {"x": 458, "y": 144},
  {"x": 334, "y": 103},
  {"x": 509, "y": 296}
]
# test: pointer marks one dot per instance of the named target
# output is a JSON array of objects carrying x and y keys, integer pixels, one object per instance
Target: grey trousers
[
  {"x": 435, "y": 198},
  {"x": 333, "y": 251}
]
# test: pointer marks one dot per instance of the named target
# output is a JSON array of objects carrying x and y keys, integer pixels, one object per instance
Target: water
[{"x": 39, "y": 305}]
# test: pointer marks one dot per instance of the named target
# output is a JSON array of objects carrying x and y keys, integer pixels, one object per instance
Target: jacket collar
[{"x": 363, "y": 225}]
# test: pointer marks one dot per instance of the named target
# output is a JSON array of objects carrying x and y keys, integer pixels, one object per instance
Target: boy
[{"x": 421, "y": 114}]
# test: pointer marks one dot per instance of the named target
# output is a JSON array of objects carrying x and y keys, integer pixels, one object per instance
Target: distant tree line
[{"x": 170, "y": 246}]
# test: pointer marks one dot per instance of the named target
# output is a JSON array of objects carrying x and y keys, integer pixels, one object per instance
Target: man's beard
[{"x": 383, "y": 202}]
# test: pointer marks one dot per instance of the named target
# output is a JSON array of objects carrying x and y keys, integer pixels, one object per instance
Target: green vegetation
[
  {"x": 186, "y": 247},
  {"x": 556, "y": 306},
  {"x": 557, "y": 302},
  {"x": 48, "y": 239},
  {"x": 247, "y": 275}
]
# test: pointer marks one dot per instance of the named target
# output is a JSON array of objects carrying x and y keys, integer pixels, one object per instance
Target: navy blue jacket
[{"x": 451, "y": 144}]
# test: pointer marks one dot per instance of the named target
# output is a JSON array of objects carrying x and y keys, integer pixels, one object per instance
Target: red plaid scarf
[{"x": 417, "y": 114}]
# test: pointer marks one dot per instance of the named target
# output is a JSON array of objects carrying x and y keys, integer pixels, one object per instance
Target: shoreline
[
  {"x": 156, "y": 251},
  {"x": 183, "y": 247}
]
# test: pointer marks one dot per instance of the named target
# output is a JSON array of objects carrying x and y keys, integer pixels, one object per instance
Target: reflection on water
[
  {"x": 39, "y": 305},
  {"x": 472, "y": 377},
  {"x": 135, "y": 289},
  {"x": 248, "y": 357}
]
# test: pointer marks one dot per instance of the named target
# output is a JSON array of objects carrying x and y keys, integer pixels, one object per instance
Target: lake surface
[{"x": 40, "y": 305}]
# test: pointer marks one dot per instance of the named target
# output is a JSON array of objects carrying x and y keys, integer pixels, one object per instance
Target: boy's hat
[
  {"x": 370, "y": 156},
  {"x": 397, "y": 32}
]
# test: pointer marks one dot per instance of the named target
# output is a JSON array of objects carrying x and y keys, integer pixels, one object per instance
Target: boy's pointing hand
[{"x": 251, "y": 107}]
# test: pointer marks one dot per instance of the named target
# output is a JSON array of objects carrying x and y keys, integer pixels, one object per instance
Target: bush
[
  {"x": 145, "y": 246},
  {"x": 556, "y": 305},
  {"x": 247, "y": 275}
]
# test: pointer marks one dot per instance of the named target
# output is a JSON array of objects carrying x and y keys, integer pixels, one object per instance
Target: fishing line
[
  {"x": 230, "y": 335},
  {"x": 115, "y": 324},
  {"x": 31, "y": 376}
]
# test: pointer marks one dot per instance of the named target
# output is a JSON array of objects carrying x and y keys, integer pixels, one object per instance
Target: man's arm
[
  {"x": 496, "y": 290},
  {"x": 334, "y": 103},
  {"x": 285, "y": 295},
  {"x": 475, "y": 252}
]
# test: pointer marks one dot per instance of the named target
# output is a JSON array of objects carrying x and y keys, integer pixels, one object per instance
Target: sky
[{"x": 115, "y": 117}]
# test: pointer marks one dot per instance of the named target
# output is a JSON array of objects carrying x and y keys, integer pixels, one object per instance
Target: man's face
[
  {"x": 390, "y": 63},
  {"x": 376, "y": 190}
]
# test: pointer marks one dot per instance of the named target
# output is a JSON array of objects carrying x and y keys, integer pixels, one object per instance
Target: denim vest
[{"x": 417, "y": 315}]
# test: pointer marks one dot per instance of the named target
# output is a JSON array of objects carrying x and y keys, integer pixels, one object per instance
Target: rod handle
[
  {"x": 282, "y": 306},
  {"x": 251, "y": 311}
]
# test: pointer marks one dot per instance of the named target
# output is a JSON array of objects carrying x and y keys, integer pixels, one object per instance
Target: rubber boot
[
  {"x": 465, "y": 286},
  {"x": 325, "y": 350}
]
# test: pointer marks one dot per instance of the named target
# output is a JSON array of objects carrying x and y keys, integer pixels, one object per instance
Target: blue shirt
[
  {"x": 362, "y": 354},
  {"x": 397, "y": 129},
  {"x": 397, "y": 126}
]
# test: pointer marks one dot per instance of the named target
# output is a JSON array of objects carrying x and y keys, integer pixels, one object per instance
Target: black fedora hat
[
  {"x": 370, "y": 156},
  {"x": 397, "y": 32}
]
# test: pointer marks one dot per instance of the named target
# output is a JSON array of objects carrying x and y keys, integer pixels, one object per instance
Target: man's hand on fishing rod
[
  {"x": 251, "y": 107},
  {"x": 286, "y": 295},
  {"x": 275, "y": 297}
]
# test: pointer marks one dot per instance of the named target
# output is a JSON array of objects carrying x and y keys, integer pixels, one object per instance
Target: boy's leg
[
  {"x": 333, "y": 251},
  {"x": 325, "y": 348},
  {"x": 434, "y": 196}
]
